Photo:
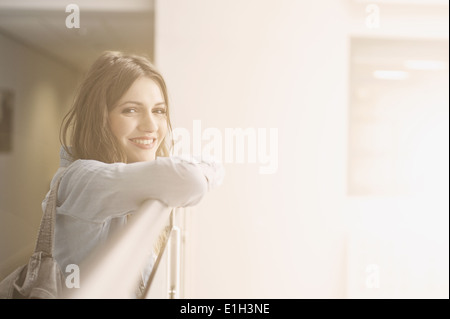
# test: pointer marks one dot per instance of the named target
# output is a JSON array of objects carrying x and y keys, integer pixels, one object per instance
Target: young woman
[{"x": 115, "y": 155}]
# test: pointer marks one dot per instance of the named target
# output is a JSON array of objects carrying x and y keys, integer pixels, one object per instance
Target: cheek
[
  {"x": 119, "y": 126},
  {"x": 163, "y": 127}
]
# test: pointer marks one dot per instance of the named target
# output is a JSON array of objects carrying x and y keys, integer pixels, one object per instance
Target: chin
[
  {"x": 147, "y": 158},
  {"x": 137, "y": 159}
]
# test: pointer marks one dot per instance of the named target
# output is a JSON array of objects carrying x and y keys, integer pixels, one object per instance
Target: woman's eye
[
  {"x": 129, "y": 110},
  {"x": 159, "y": 111}
]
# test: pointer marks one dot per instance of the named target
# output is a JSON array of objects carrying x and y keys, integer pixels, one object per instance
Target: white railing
[{"x": 113, "y": 271}]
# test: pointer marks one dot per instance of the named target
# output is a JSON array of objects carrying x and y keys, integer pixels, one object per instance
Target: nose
[{"x": 148, "y": 123}]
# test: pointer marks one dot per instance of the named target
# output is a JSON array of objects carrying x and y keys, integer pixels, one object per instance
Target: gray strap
[{"x": 46, "y": 236}]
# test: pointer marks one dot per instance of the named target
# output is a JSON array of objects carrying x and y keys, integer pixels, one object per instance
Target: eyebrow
[{"x": 141, "y": 104}]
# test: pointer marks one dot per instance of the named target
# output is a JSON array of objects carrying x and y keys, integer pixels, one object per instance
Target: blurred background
[{"x": 358, "y": 91}]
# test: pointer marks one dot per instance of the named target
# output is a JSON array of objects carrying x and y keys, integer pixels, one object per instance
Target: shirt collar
[{"x": 65, "y": 158}]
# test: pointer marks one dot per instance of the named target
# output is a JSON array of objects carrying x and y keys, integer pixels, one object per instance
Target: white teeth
[{"x": 145, "y": 142}]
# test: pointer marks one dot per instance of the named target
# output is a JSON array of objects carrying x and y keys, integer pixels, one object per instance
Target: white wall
[
  {"x": 43, "y": 89},
  {"x": 264, "y": 64},
  {"x": 295, "y": 233}
]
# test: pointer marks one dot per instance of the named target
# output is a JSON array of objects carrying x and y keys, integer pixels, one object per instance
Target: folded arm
[{"x": 120, "y": 188}]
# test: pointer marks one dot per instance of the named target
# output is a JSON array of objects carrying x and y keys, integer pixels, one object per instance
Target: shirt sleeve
[{"x": 94, "y": 190}]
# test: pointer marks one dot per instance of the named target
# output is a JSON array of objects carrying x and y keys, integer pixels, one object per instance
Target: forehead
[{"x": 145, "y": 90}]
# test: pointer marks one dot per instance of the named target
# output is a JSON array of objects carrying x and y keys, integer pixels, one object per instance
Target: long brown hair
[{"x": 85, "y": 131}]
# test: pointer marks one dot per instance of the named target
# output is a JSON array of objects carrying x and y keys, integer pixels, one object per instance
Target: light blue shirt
[{"x": 94, "y": 198}]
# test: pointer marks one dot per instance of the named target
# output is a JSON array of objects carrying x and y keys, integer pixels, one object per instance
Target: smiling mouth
[{"x": 144, "y": 143}]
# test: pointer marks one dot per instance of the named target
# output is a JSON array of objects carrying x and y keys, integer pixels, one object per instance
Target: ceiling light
[{"x": 390, "y": 75}]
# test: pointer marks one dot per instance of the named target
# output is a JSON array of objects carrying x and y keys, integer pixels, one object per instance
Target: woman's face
[{"x": 138, "y": 120}]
